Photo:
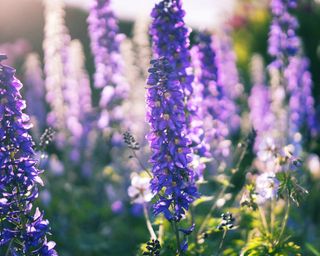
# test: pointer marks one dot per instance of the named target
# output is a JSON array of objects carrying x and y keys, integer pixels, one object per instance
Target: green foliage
[{"x": 289, "y": 187}]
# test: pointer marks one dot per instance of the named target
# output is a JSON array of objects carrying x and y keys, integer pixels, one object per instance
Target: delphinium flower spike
[
  {"x": 23, "y": 230},
  {"x": 78, "y": 101},
  {"x": 228, "y": 77},
  {"x": 260, "y": 103},
  {"x": 35, "y": 93},
  {"x": 286, "y": 48},
  {"x": 170, "y": 37},
  {"x": 55, "y": 46},
  {"x": 105, "y": 47},
  {"x": 173, "y": 179},
  {"x": 217, "y": 107}
]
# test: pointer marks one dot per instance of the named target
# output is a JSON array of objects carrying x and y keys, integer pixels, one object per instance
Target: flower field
[{"x": 153, "y": 136}]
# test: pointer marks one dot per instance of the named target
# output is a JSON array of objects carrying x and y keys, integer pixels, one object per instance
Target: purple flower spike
[
  {"x": 173, "y": 179},
  {"x": 283, "y": 40},
  {"x": 170, "y": 39},
  {"x": 21, "y": 229},
  {"x": 286, "y": 49},
  {"x": 105, "y": 46},
  {"x": 35, "y": 93}
]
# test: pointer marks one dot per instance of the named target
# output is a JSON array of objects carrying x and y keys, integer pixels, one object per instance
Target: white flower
[
  {"x": 266, "y": 149},
  {"x": 267, "y": 186},
  {"x": 140, "y": 191}
]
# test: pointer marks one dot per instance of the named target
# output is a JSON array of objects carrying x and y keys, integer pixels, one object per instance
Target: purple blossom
[
  {"x": 78, "y": 101},
  {"x": 173, "y": 180},
  {"x": 301, "y": 102},
  {"x": 35, "y": 93},
  {"x": 216, "y": 107},
  {"x": 285, "y": 46},
  {"x": 170, "y": 39},
  {"x": 24, "y": 231},
  {"x": 260, "y": 103},
  {"x": 283, "y": 40},
  {"x": 105, "y": 47}
]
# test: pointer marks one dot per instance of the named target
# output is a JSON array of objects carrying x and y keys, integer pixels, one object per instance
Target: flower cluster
[
  {"x": 23, "y": 232},
  {"x": 105, "y": 46},
  {"x": 33, "y": 80},
  {"x": 260, "y": 103},
  {"x": 173, "y": 179},
  {"x": 267, "y": 186},
  {"x": 217, "y": 108},
  {"x": 55, "y": 47},
  {"x": 170, "y": 39},
  {"x": 283, "y": 40},
  {"x": 286, "y": 49}
]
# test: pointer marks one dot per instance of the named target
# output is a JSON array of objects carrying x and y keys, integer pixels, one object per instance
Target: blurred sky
[{"x": 200, "y": 13}]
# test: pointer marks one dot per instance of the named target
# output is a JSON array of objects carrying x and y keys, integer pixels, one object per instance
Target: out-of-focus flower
[
  {"x": 35, "y": 93},
  {"x": 267, "y": 149},
  {"x": 140, "y": 191},
  {"x": 267, "y": 186},
  {"x": 173, "y": 180},
  {"x": 22, "y": 230},
  {"x": 55, "y": 47},
  {"x": 313, "y": 163},
  {"x": 260, "y": 102},
  {"x": 55, "y": 165},
  {"x": 117, "y": 206},
  {"x": 105, "y": 46}
]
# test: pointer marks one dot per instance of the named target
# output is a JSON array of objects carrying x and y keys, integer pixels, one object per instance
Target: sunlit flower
[
  {"x": 20, "y": 177},
  {"x": 266, "y": 149},
  {"x": 173, "y": 179},
  {"x": 140, "y": 191}
]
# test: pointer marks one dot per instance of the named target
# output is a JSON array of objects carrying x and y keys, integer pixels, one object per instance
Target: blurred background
[{"x": 84, "y": 220}]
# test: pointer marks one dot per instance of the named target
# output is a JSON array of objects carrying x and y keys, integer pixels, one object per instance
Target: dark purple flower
[
  {"x": 173, "y": 180},
  {"x": 25, "y": 231},
  {"x": 170, "y": 38}
]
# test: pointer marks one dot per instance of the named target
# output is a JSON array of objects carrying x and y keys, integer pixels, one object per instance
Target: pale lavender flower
[
  {"x": 267, "y": 186},
  {"x": 35, "y": 93},
  {"x": 260, "y": 102},
  {"x": 105, "y": 46},
  {"x": 55, "y": 45}
]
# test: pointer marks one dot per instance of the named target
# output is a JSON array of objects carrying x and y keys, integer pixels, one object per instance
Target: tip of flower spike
[{"x": 3, "y": 57}]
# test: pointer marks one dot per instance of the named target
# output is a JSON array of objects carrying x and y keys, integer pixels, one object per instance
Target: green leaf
[{"x": 312, "y": 249}]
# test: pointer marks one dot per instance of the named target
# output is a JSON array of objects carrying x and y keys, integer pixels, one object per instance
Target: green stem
[
  {"x": 285, "y": 220},
  {"x": 9, "y": 247},
  {"x": 176, "y": 230},
  {"x": 148, "y": 222},
  {"x": 141, "y": 164},
  {"x": 161, "y": 230},
  {"x": 272, "y": 213},
  {"x": 222, "y": 241},
  {"x": 263, "y": 219},
  {"x": 213, "y": 207}
]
